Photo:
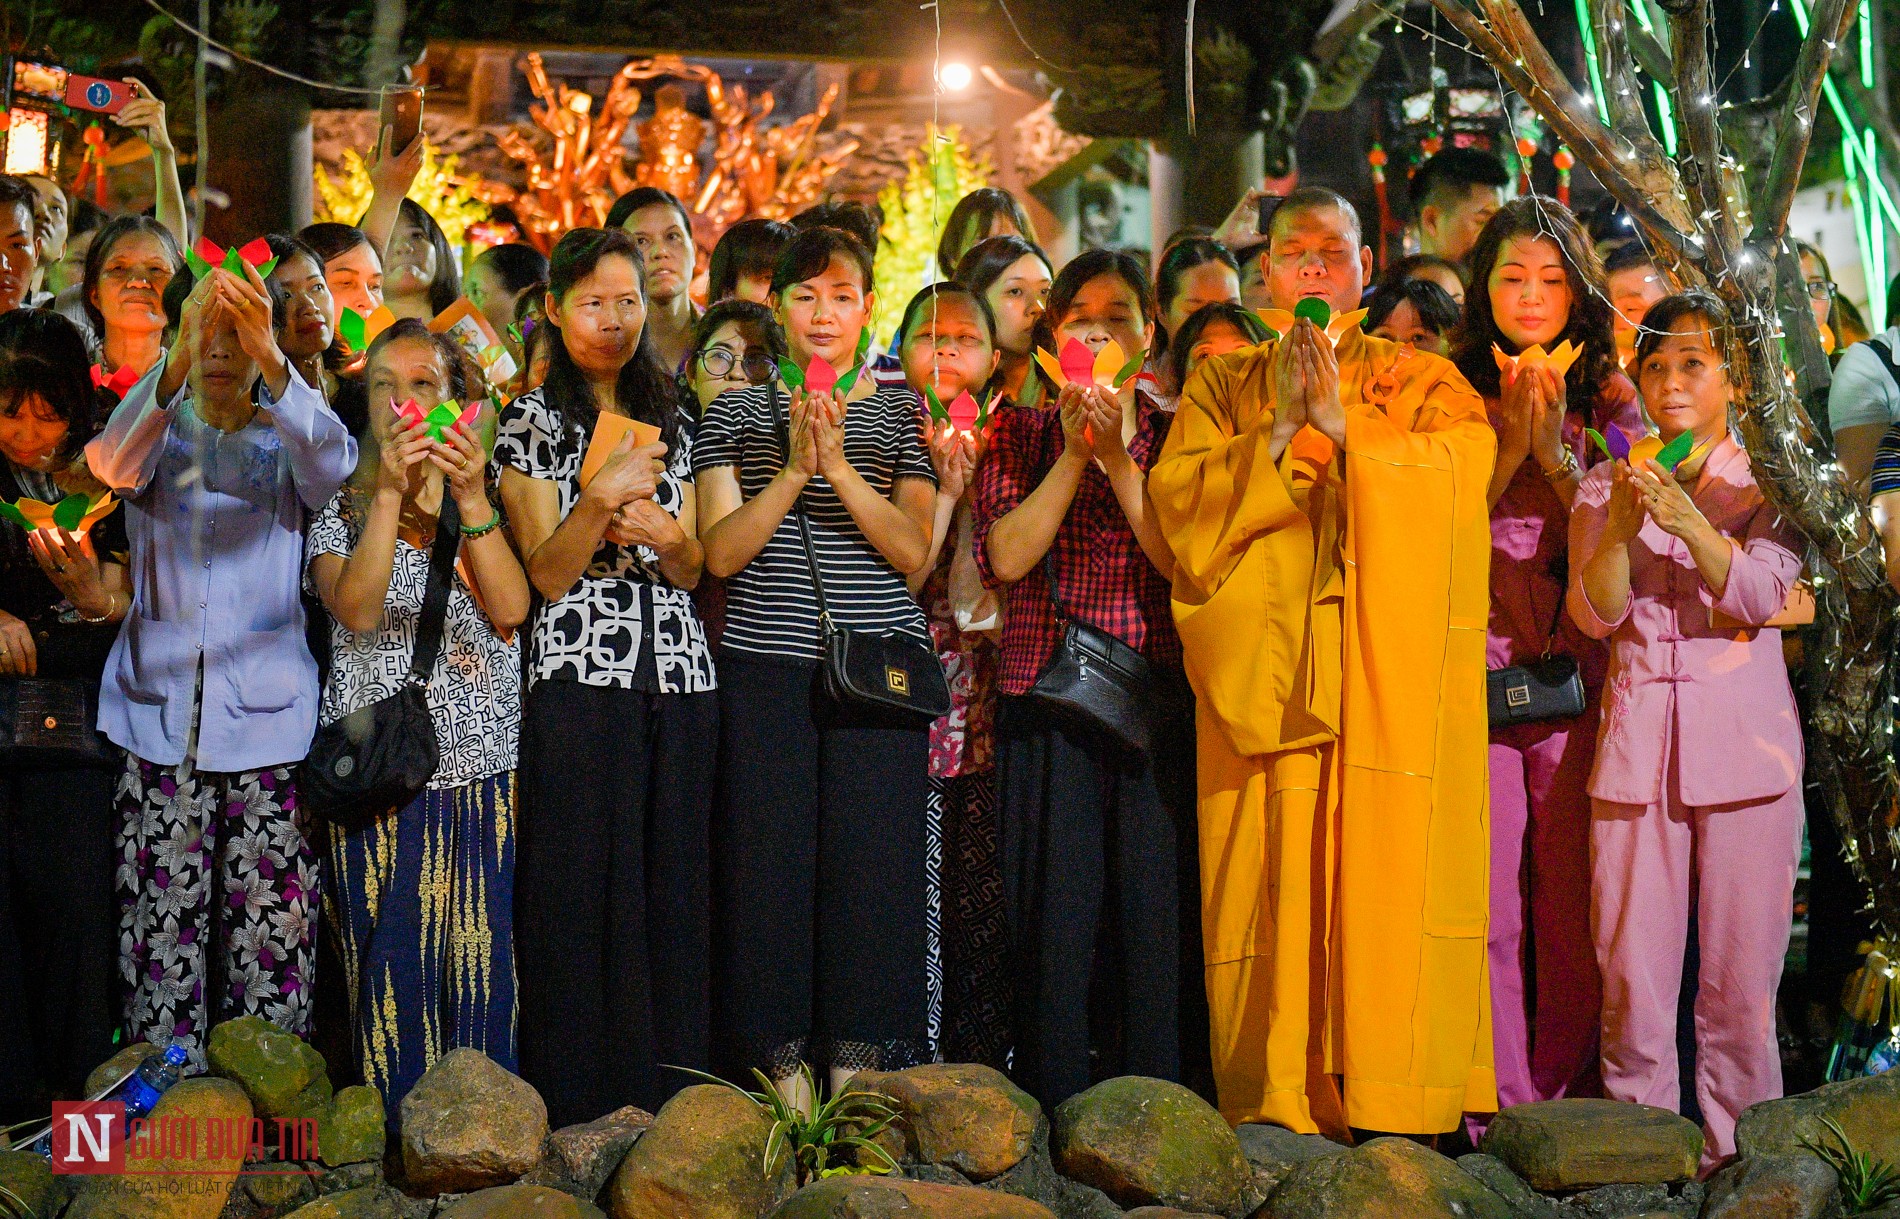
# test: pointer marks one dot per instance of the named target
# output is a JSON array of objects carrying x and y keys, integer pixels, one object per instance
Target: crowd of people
[{"x": 1291, "y": 857}]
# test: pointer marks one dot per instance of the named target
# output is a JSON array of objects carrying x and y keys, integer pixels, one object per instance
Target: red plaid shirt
[{"x": 1103, "y": 576}]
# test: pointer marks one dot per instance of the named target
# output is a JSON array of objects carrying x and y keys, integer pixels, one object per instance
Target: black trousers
[
  {"x": 818, "y": 878},
  {"x": 1100, "y": 874},
  {"x": 612, "y": 895},
  {"x": 59, "y": 933}
]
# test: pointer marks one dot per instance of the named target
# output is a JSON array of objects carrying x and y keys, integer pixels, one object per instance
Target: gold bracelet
[{"x": 112, "y": 607}]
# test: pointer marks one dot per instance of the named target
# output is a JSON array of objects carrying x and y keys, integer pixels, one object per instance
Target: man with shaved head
[{"x": 1324, "y": 494}]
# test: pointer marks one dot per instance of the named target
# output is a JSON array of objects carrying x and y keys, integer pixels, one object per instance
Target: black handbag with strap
[
  {"x": 49, "y": 722},
  {"x": 382, "y": 756},
  {"x": 1548, "y": 688},
  {"x": 1092, "y": 678},
  {"x": 886, "y": 673}
]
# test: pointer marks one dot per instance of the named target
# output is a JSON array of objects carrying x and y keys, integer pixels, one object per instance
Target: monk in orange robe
[{"x": 1326, "y": 506}]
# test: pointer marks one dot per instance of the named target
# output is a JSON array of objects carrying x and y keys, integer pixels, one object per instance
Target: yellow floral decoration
[
  {"x": 444, "y": 194},
  {"x": 915, "y": 208}
]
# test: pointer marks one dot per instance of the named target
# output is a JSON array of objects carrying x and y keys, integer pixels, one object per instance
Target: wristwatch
[{"x": 1563, "y": 469}]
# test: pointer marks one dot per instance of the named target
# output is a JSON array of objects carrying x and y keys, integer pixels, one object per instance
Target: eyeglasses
[
  {"x": 1821, "y": 289},
  {"x": 756, "y": 365}
]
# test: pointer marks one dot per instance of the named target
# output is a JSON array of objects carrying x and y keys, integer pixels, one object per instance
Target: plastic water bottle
[{"x": 143, "y": 1087}]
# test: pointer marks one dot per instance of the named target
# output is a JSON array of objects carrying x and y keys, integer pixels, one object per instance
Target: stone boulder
[
  {"x": 281, "y": 1072},
  {"x": 1774, "y": 1187},
  {"x": 31, "y": 1180},
  {"x": 1636, "y": 1202},
  {"x": 580, "y": 1159},
  {"x": 1150, "y": 1142},
  {"x": 469, "y": 1124},
  {"x": 1166, "y": 1212},
  {"x": 370, "y": 1202},
  {"x": 960, "y": 1115},
  {"x": 1495, "y": 1175},
  {"x": 1579, "y": 1144},
  {"x": 351, "y": 1129},
  {"x": 520, "y": 1202},
  {"x": 116, "y": 1068},
  {"x": 275, "y": 1188},
  {"x": 149, "y": 1187},
  {"x": 1275, "y": 1151},
  {"x": 867, "y": 1197},
  {"x": 702, "y": 1158},
  {"x": 348, "y": 1177},
  {"x": 1388, "y": 1178},
  {"x": 1867, "y": 1111}
]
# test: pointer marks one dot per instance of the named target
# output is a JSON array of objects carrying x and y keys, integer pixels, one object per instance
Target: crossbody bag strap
[
  {"x": 435, "y": 602},
  {"x": 1557, "y": 619},
  {"x": 783, "y": 427}
]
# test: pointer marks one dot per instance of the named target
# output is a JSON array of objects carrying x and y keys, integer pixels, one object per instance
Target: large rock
[
  {"x": 887, "y": 1198},
  {"x": 1166, "y": 1212},
  {"x": 580, "y": 1159},
  {"x": 149, "y": 1189},
  {"x": 351, "y": 1129},
  {"x": 1578, "y": 1144},
  {"x": 31, "y": 1180},
  {"x": 1495, "y": 1175},
  {"x": 275, "y": 1188},
  {"x": 1275, "y": 1151},
  {"x": 117, "y": 1067},
  {"x": 962, "y": 1115},
  {"x": 703, "y": 1158},
  {"x": 1774, "y": 1187},
  {"x": 370, "y": 1202},
  {"x": 281, "y": 1072},
  {"x": 1389, "y": 1178},
  {"x": 469, "y": 1124},
  {"x": 1147, "y": 1141},
  {"x": 1867, "y": 1111},
  {"x": 1650, "y": 1201},
  {"x": 520, "y": 1202}
]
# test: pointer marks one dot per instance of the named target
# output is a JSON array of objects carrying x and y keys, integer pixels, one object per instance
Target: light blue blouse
[{"x": 216, "y": 522}]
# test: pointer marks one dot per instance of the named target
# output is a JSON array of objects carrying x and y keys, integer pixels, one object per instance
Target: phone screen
[{"x": 402, "y": 114}]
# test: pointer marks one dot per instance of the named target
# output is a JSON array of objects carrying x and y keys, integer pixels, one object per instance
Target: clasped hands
[
  {"x": 625, "y": 486},
  {"x": 815, "y": 437},
  {"x": 1305, "y": 381},
  {"x": 1653, "y": 492},
  {"x": 1092, "y": 424},
  {"x": 1531, "y": 407}
]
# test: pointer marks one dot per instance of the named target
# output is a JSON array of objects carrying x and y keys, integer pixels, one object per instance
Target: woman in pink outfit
[
  {"x": 1535, "y": 282},
  {"x": 1696, "y": 795}
]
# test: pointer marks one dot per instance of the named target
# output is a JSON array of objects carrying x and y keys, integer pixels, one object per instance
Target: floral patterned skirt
[{"x": 217, "y": 892}]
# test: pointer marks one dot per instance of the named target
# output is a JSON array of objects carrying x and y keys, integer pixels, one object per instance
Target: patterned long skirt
[
  {"x": 421, "y": 902},
  {"x": 217, "y": 894},
  {"x": 968, "y": 950}
]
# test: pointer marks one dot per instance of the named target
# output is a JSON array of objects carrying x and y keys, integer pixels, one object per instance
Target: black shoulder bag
[
  {"x": 1093, "y": 678},
  {"x": 1548, "y": 688},
  {"x": 887, "y": 673},
  {"x": 382, "y": 756}
]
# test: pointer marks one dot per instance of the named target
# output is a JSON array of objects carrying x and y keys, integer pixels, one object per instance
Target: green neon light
[
  {"x": 1877, "y": 285},
  {"x": 1866, "y": 44},
  {"x": 1590, "y": 58},
  {"x": 1666, "y": 115},
  {"x": 1851, "y": 147}
]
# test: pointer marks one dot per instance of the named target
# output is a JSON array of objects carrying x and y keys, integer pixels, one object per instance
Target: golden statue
[{"x": 774, "y": 173}]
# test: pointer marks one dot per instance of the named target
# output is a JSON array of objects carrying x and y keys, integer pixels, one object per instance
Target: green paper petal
[
  {"x": 67, "y": 513},
  {"x": 349, "y": 324},
  {"x": 1596, "y": 438},
  {"x": 264, "y": 271},
  {"x": 848, "y": 382},
  {"x": 937, "y": 412},
  {"x": 1129, "y": 369},
  {"x": 791, "y": 374},
  {"x": 16, "y": 516},
  {"x": 1271, "y": 332},
  {"x": 1032, "y": 385},
  {"x": 983, "y": 412},
  {"x": 199, "y": 267},
  {"x": 1314, "y": 310},
  {"x": 1673, "y": 452},
  {"x": 864, "y": 341}
]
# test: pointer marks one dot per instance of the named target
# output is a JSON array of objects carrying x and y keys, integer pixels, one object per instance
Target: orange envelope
[{"x": 608, "y": 429}]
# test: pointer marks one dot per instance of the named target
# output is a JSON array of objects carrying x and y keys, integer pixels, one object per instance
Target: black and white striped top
[{"x": 771, "y": 612}]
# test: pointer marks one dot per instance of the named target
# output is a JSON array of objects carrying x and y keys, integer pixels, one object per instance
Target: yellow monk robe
[{"x": 1333, "y": 612}]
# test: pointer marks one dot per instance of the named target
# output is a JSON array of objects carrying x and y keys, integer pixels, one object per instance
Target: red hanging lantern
[
  {"x": 1564, "y": 160},
  {"x": 1526, "y": 149},
  {"x": 93, "y": 164}
]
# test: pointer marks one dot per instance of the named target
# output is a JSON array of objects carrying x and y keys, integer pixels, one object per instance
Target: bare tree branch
[
  {"x": 1653, "y": 54},
  {"x": 1827, "y": 26},
  {"x": 1622, "y": 92},
  {"x": 1701, "y": 170},
  {"x": 1528, "y": 68}
]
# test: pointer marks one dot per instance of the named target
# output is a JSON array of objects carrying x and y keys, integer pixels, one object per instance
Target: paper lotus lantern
[
  {"x": 1559, "y": 358},
  {"x": 359, "y": 330},
  {"x": 964, "y": 414},
  {"x": 208, "y": 254},
  {"x": 819, "y": 377},
  {"x": 1617, "y": 447},
  {"x": 439, "y": 419},
  {"x": 1317, "y": 311},
  {"x": 1081, "y": 365},
  {"x": 76, "y": 513},
  {"x": 120, "y": 381}
]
